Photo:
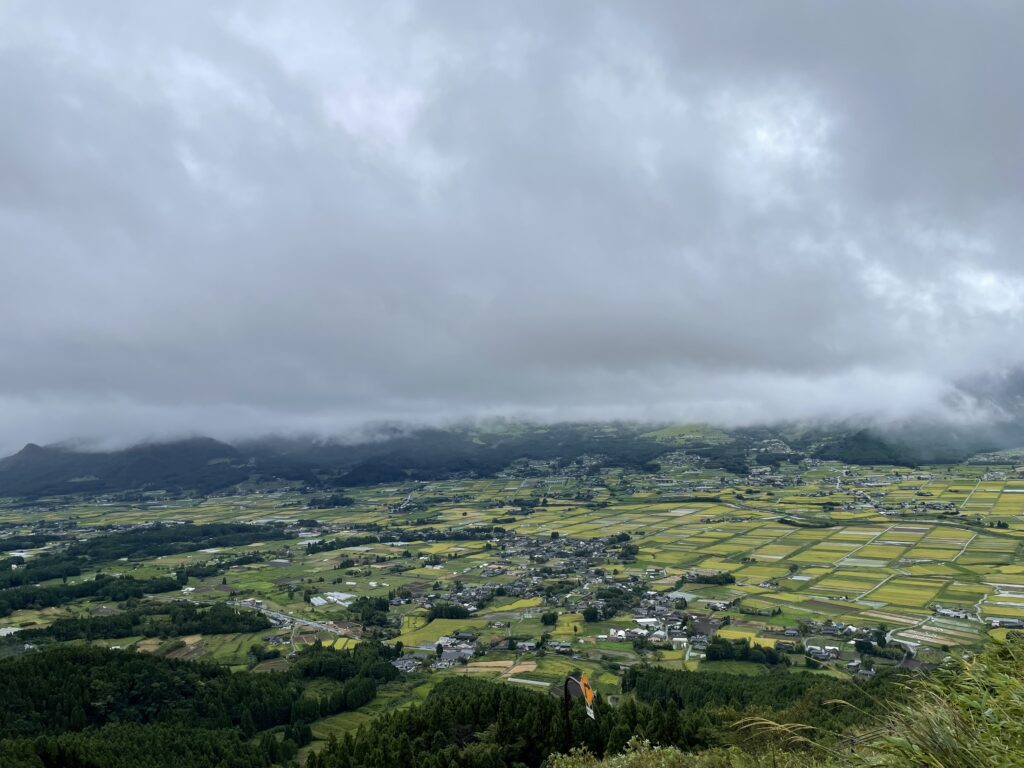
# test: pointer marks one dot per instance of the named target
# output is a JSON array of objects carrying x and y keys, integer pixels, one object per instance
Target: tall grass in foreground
[
  {"x": 640, "y": 754},
  {"x": 969, "y": 714}
]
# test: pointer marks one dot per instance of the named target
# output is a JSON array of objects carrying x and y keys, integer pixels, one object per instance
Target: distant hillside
[
  {"x": 200, "y": 464},
  {"x": 916, "y": 444},
  {"x": 204, "y": 465},
  {"x": 431, "y": 454}
]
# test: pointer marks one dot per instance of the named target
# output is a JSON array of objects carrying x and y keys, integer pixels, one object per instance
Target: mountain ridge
[{"x": 205, "y": 464}]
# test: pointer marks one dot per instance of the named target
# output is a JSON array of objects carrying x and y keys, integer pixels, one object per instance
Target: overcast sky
[{"x": 235, "y": 217}]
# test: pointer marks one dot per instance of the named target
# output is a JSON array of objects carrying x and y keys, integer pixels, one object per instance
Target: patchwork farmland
[{"x": 535, "y": 573}]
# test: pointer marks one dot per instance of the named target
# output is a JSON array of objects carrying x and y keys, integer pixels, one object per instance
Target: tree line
[
  {"x": 103, "y": 587},
  {"x": 76, "y": 706},
  {"x": 473, "y": 723},
  {"x": 169, "y": 539},
  {"x": 142, "y": 543},
  {"x": 154, "y": 620}
]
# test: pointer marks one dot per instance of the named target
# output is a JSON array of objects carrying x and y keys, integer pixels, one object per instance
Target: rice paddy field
[{"x": 862, "y": 546}]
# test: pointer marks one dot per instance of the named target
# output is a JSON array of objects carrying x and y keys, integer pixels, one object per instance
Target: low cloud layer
[{"x": 229, "y": 218}]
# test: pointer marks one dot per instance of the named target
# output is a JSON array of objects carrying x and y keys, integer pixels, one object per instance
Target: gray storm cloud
[{"x": 230, "y": 218}]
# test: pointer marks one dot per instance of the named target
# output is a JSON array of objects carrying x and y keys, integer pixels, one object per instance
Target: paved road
[{"x": 270, "y": 613}]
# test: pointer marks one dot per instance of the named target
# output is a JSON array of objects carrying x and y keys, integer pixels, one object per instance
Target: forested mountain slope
[{"x": 203, "y": 465}]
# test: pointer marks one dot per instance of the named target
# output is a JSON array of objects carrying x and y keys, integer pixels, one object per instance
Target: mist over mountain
[
  {"x": 205, "y": 465},
  {"x": 234, "y": 220}
]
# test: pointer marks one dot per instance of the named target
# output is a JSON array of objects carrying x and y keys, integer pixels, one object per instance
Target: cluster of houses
[
  {"x": 549, "y": 558},
  {"x": 455, "y": 649},
  {"x": 822, "y": 652},
  {"x": 410, "y": 662}
]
